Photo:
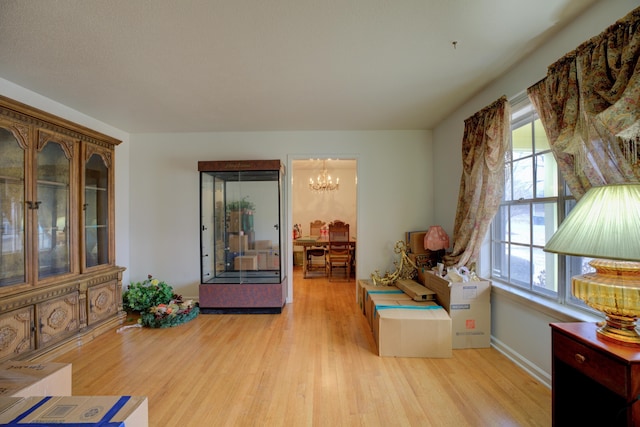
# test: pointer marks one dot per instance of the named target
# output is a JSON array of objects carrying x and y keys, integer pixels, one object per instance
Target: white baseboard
[{"x": 532, "y": 369}]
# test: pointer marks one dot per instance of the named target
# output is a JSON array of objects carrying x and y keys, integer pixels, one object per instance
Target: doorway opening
[{"x": 309, "y": 205}]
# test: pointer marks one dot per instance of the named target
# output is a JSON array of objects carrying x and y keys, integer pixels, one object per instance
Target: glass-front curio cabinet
[
  {"x": 59, "y": 284},
  {"x": 241, "y": 236}
]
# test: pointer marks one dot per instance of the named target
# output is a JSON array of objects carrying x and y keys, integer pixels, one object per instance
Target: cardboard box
[
  {"x": 421, "y": 260},
  {"x": 245, "y": 262},
  {"x": 128, "y": 411},
  {"x": 24, "y": 379},
  {"x": 415, "y": 241},
  {"x": 238, "y": 243},
  {"x": 273, "y": 261},
  {"x": 235, "y": 220},
  {"x": 262, "y": 244},
  {"x": 261, "y": 256},
  {"x": 382, "y": 297},
  {"x": 415, "y": 290},
  {"x": 361, "y": 292},
  {"x": 412, "y": 329},
  {"x": 469, "y": 305}
]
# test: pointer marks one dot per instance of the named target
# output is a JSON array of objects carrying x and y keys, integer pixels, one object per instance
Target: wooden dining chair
[
  {"x": 339, "y": 252},
  {"x": 315, "y": 252}
]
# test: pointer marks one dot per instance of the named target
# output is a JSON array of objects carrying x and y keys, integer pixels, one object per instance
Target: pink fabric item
[{"x": 436, "y": 239}]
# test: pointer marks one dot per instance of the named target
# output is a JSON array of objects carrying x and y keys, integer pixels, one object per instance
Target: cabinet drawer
[{"x": 607, "y": 371}]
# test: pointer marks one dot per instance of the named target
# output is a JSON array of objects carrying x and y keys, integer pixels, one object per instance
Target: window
[{"x": 535, "y": 201}]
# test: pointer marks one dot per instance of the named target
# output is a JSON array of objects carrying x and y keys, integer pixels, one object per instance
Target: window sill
[{"x": 547, "y": 307}]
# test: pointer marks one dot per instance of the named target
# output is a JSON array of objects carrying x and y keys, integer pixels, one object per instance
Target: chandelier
[{"x": 323, "y": 182}]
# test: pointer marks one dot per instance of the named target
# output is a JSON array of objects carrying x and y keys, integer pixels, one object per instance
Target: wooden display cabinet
[{"x": 59, "y": 284}]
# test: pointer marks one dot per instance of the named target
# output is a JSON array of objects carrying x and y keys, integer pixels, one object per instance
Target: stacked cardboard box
[
  {"x": 403, "y": 327},
  {"x": 415, "y": 290},
  {"x": 412, "y": 329},
  {"x": 238, "y": 243},
  {"x": 381, "y": 297},
  {"x": 245, "y": 262},
  {"x": 262, "y": 244},
  {"x": 415, "y": 241}
]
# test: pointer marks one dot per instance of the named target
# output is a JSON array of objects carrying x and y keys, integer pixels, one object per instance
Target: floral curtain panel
[
  {"x": 588, "y": 104},
  {"x": 486, "y": 137}
]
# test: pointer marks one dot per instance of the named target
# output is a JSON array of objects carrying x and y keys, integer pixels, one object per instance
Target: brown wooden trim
[
  {"x": 238, "y": 165},
  {"x": 24, "y": 112}
]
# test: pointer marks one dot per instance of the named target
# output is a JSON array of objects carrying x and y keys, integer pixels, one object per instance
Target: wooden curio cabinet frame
[{"x": 59, "y": 284}]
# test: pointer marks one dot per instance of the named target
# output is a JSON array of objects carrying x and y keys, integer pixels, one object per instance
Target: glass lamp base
[
  {"x": 620, "y": 330},
  {"x": 613, "y": 289}
]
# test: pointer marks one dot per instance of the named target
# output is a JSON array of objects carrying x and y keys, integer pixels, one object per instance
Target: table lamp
[
  {"x": 436, "y": 242},
  {"x": 605, "y": 225}
]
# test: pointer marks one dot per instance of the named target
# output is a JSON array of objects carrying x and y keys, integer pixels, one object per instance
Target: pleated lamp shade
[
  {"x": 436, "y": 239},
  {"x": 605, "y": 223}
]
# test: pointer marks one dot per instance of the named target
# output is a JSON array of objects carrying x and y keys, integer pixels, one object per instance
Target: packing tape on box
[
  {"x": 411, "y": 307},
  {"x": 104, "y": 422},
  {"x": 387, "y": 291}
]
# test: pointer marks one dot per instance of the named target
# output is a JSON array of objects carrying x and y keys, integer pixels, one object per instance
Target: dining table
[{"x": 316, "y": 242}]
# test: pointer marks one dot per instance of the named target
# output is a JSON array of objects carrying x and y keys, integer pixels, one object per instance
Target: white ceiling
[{"x": 252, "y": 65}]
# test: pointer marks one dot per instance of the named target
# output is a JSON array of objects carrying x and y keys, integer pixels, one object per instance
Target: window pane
[
  {"x": 551, "y": 274},
  {"x": 544, "y": 267},
  {"x": 520, "y": 224},
  {"x": 500, "y": 256},
  {"x": 541, "y": 141},
  {"x": 544, "y": 215},
  {"x": 520, "y": 266},
  {"x": 501, "y": 229},
  {"x": 546, "y": 175},
  {"x": 523, "y": 179},
  {"x": 522, "y": 141},
  {"x": 508, "y": 183}
]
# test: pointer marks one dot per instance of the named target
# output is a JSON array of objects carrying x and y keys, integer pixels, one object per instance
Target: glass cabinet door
[
  {"x": 241, "y": 233},
  {"x": 96, "y": 212},
  {"x": 12, "y": 214},
  {"x": 52, "y": 205}
]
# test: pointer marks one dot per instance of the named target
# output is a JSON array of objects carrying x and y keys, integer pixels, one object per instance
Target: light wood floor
[{"x": 314, "y": 364}]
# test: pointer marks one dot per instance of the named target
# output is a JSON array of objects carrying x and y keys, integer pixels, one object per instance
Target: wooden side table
[{"x": 595, "y": 382}]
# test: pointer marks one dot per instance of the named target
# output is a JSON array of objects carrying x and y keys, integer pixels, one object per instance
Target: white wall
[
  {"x": 395, "y": 192},
  {"x": 522, "y": 331}
]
